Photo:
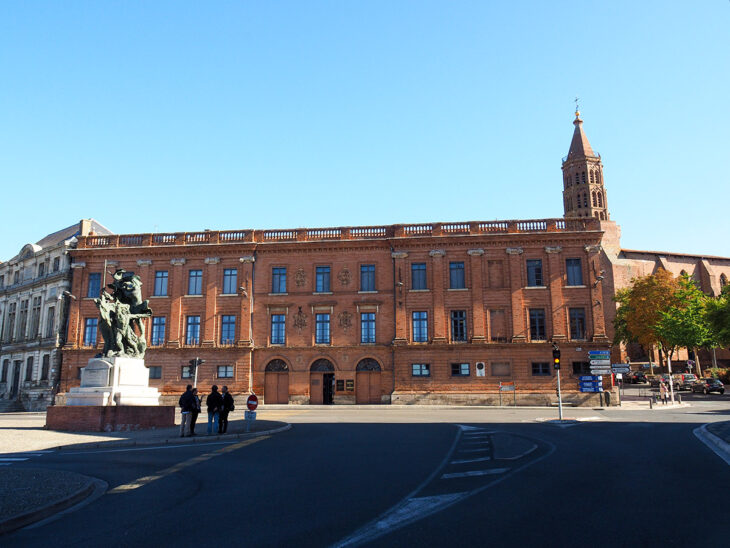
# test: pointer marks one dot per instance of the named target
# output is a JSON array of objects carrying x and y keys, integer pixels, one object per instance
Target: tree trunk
[{"x": 697, "y": 363}]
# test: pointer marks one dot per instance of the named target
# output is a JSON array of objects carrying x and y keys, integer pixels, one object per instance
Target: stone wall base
[
  {"x": 492, "y": 399},
  {"x": 109, "y": 418}
]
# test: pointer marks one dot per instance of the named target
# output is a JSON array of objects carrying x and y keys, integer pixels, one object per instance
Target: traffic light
[
  {"x": 194, "y": 364},
  {"x": 556, "y": 357}
]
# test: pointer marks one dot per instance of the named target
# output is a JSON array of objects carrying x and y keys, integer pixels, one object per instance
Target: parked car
[
  {"x": 635, "y": 377},
  {"x": 684, "y": 381},
  {"x": 707, "y": 386}
]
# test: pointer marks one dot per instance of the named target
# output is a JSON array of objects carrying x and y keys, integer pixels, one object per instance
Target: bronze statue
[{"x": 120, "y": 312}]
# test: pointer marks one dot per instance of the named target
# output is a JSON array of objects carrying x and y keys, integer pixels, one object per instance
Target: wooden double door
[
  {"x": 276, "y": 387},
  {"x": 367, "y": 387}
]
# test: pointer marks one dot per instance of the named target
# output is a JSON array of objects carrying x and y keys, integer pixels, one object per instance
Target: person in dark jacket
[
  {"x": 225, "y": 409},
  {"x": 186, "y": 402},
  {"x": 214, "y": 401},
  {"x": 195, "y": 412}
]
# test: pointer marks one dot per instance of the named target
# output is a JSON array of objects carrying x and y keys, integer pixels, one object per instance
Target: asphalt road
[{"x": 410, "y": 477}]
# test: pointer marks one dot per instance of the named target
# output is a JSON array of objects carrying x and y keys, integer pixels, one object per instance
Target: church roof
[{"x": 579, "y": 146}]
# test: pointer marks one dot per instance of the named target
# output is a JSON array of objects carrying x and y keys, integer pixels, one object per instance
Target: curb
[
  {"x": 169, "y": 441},
  {"x": 718, "y": 445},
  {"x": 32, "y": 516}
]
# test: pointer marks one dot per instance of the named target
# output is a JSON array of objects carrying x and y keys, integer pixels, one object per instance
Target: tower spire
[{"x": 583, "y": 192}]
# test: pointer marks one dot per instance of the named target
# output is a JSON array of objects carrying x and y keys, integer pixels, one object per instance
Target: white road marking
[
  {"x": 15, "y": 459},
  {"x": 5, "y": 463},
  {"x": 146, "y": 448},
  {"x": 473, "y": 450},
  {"x": 530, "y": 450},
  {"x": 473, "y": 473},
  {"x": 467, "y": 461},
  {"x": 719, "y": 446},
  {"x": 476, "y": 443}
]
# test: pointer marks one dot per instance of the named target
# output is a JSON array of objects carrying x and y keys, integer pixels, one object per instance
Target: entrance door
[
  {"x": 328, "y": 389},
  {"x": 276, "y": 387},
  {"x": 315, "y": 388},
  {"x": 367, "y": 387},
  {"x": 16, "y": 380}
]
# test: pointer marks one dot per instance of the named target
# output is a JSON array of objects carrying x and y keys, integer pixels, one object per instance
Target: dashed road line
[
  {"x": 475, "y": 473},
  {"x": 141, "y": 482},
  {"x": 469, "y": 461}
]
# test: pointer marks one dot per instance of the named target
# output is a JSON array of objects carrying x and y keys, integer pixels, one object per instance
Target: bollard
[
  {"x": 679, "y": 398},
  {"x": 651, "y": 403}
]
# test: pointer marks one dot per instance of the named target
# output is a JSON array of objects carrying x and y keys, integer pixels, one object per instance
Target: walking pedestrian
[
  {"x": 225, "y": 409},
  {"x": 214, "y": 401},
  {"x": 663, "y": 392},
  {"x": 186, "y": 408},
  {"x": 195, "y": 412}
]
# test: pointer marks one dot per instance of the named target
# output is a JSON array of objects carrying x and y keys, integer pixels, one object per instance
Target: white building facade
[{"x": 34, "y": 289}]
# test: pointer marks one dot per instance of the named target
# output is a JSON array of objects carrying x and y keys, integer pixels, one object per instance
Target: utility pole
[{"x": 556, "y": 365}]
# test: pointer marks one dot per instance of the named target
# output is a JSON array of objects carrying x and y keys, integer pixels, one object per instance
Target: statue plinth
[{"x": 114, "y": 381}]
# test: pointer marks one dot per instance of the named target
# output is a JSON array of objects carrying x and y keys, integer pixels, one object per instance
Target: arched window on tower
[
  {"x": 603, "y": 216},
  {"x": 596, "y": 214},
  {"x": 598, "y": 177},
  {"x": 577, "y": 179},
  {"x": 579, "y": 200},
  {"x": 595, "y": 200},
  {"x": 585, "y": 199},
  {"x": 583, "y": 177},
  {"x": 600, "y": 199},
  {"x": 593, "y": 176},
  {"x": 723, "y": 280}
]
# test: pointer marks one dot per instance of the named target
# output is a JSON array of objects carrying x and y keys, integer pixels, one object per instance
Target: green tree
[
  {"x": 684, "y": 323},
  {"x": 718, "y": 317}
]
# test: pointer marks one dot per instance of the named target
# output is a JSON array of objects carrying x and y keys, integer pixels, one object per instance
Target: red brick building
[
  {"x": 405, "y": 313},
  {"x": 431, "y": 313}
]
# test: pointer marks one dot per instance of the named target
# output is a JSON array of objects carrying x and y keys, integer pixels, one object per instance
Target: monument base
[
  {"x": 114, "y": 381},
  {"x": 106, "y": 418}
]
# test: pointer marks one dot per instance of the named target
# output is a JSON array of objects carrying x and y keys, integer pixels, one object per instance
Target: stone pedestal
[{"x": 114, "y": 381}]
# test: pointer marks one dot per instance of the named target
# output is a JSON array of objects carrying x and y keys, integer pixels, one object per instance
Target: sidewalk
[
  {"x": 29, "y": 495},
  {"x": 717, "y": 437}
]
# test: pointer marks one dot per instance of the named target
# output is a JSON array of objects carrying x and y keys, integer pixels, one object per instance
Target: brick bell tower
[{"x": 583, "y": 191}]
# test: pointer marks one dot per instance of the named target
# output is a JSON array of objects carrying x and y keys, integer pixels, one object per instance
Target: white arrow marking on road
[
  {"x": 488, "y": 472},
  {"x": 13, "y": 459}
]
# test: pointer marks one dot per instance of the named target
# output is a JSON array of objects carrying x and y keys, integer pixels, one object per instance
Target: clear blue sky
[{"x": 180, "y": 116}]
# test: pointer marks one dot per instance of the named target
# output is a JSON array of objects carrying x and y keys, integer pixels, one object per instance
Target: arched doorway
[
  {"x": 276, "y": 382},
  {"x": 367, "y": 382},
  {"x": 322, "y": 382}
]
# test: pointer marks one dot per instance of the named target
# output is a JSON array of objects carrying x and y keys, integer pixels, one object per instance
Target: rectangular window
[
  {"x": 322, "y": 331},
  {"x": 185, "y": 372},
  {"x": 6, "y": 366},
  {"x": 574, "y": 271},
  {"x": 29, "y": 369},
  {"x": 230, "y": 281},
  {"x": 501, "y": 369},
  {"x": 534, "y": 273},
  {"x": 94, "y": 288},
  {"x": 278, "y": 279},
  {"x": 225, "y": 371},
  {"x": 22, "y": 320},
  {"x": 323, "y": 279},
  {"x": 160, "y": 283},
  {"x": 456, "y": 275},
  {"x": 90, "y": 327},
  {"x": 420, "y": 370},
  {"x": 8, "y": 328},
  {"x": 228, "y": 329},
  {"x": 581, "y": 368},
  {"x": 537, "y": 324},
  {"x": 420, "y": 327},
  {"x": 155, "y": 371},
  {"x": 458, "y": 325},
  {"x": 495, "y": 270},
  {"x": 367, "y": 277},
  {"x": 50, "y": 321},
  {"x": 278, "y": 329},
  {"x": 157, "y": 338},
  {"x": 35, "y": 318},
  {"x": 192, "y": 330},
  {"x": 541, "y": 369},
  {"x": 195, "y": 282},
  {"x": 459, "y": 369},
  {"x": 577, "y": 323},
  {"x": 418, "y": 276},
  {"x": 45, "y": 367},
  {"x": 41, "y": 269},
  {"x": 56, "y": 264},
  {"x": 367, "y": 327}
]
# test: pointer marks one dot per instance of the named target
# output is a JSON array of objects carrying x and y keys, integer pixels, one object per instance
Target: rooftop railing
[{"x": 473, "y": 228}]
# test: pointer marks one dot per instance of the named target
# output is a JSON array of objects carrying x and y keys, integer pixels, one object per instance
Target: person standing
[
  {"x": 195, "y": 412},
  {"x": 214, "y": 401},
  {"x": 663, "y": 391},
  {"x": 186, "y": 408},
  {"x": 225, "y": 409}
]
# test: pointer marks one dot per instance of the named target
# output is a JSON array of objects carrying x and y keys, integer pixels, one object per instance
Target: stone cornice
[
  {"x": 78, "y": 265},
  {"x": 514, "y": 251},
  {"x": 144, "y": 262},
  {"x": 399, "y": 254},
  {"x": 436, "y": 253},
  {"x": 555, "y": 249},
  {"x": 212, "y": 260},
  {"x": 478, "y": 252},
  {"x": 248, "y": 259},
  {"x": 177, "y": 262}
]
